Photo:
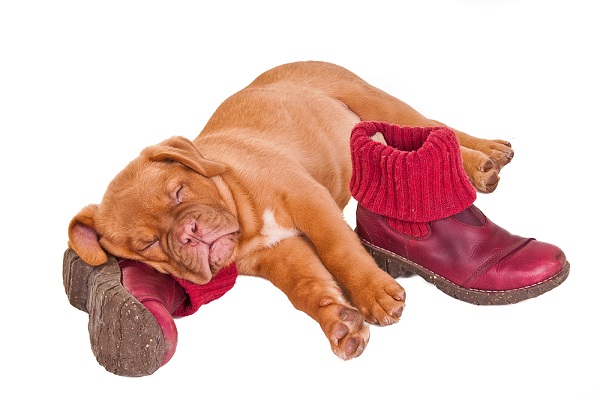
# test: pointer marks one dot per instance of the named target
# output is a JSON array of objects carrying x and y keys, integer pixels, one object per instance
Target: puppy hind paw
[
  {"x": 487, "y": 176},
  {"x": 483, "y": 170},
  {"x": 501, "y": 152}
]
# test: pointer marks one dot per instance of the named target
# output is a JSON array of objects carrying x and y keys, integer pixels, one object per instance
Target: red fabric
[
  {"x": 418, "y": 177},
  {"x": 204, "y": 294}
]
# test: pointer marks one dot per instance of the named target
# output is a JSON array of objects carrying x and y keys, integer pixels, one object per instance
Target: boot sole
[
  {"x": 125, "y": 337},
  {"x": 398, "y": 266}
]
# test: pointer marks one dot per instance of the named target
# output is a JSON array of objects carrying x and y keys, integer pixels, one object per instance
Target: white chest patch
[{"x": 274, "y": 233}]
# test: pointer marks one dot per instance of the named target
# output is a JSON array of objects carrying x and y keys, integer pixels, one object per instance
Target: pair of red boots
[{"x": 415, "y": 214}]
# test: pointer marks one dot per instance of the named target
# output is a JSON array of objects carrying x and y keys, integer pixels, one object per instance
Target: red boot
[
  {"x": 415, "y": 214},
  {"x": 131, "y": 309}
]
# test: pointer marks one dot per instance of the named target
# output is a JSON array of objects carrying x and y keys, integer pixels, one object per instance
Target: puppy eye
[
  {"x": 148, "y": 245},
  {"x": 179, "y": 195}
]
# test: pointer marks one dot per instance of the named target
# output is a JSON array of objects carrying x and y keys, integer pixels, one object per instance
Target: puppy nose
[{"x": 190, "y": 234}]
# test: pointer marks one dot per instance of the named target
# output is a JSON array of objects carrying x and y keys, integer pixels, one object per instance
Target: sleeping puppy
[{"x": 263, "y": 186}]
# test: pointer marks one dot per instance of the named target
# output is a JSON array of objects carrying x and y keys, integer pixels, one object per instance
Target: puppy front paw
[
  {"x": 345, "y": 328},
  {"x": 380, "y": 300}
]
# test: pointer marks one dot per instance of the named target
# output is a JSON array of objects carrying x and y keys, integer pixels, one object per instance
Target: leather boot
[
  {"x": 132, "y": 307},
  {"x": 415, "y": 214}
]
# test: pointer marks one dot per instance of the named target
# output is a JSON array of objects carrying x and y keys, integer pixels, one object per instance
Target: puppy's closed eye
[
  {"x": 178, "y": 195},
  {"x": 145, "y": 245}
]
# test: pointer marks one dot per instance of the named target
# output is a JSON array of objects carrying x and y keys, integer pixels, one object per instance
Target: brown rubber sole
[
  {"x": 125, "y": 337},
  {"x": 397, "y": 266}
]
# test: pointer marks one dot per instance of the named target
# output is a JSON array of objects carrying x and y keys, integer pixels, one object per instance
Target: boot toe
[
  {"x": 533, "y": 263},
  {"x": 167, "y": 326}
]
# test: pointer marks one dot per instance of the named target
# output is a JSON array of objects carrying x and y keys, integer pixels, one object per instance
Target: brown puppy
[{"x": 263, "y": 185}]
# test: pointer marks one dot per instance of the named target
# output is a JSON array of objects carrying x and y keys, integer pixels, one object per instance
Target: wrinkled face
[
  {"x": 163, "y": 209},
  {"x": 170, "y": 217}
]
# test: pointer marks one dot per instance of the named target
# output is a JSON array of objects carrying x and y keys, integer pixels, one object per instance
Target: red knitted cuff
[
  {"x": 204, "y": 294},
  {"x": 417, "y": 177}
]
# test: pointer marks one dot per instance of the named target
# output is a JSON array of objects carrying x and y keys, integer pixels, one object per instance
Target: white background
[{"x": 85, "y": 86}]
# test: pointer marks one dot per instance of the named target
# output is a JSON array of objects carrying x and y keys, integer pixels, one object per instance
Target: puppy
[{"x": 263, "y": 186}]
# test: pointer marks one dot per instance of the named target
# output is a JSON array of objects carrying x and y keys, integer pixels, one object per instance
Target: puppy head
[{"x": 163, "y": 209}]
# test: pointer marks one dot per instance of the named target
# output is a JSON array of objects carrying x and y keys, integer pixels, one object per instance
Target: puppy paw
[
  {"x": 483, "y": 166},
  {"x": 483, "y": 172},
  {"x": 345, "y": 328},
  {"x": 499, "y": 151},
  {"x": 381, "y": 301}
]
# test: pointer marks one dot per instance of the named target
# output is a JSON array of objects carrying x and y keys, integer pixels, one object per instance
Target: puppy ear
[
  {"x": 184, "y": 151},
  {"x": 83, "y": 237}
]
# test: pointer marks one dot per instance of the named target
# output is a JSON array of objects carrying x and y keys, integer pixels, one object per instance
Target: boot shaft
[{"x": 417, "y": 177}]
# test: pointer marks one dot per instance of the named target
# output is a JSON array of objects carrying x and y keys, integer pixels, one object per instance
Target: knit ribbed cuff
[
  {"x": 417, "y": 177},
  {"x": 199, "y": 295}
]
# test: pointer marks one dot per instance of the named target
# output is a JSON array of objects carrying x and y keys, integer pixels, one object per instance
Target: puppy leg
[
  {"x": 376, "y": 294},
  {"x": 294, "y": 267},
  {"x": 483, "y": 159}
]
